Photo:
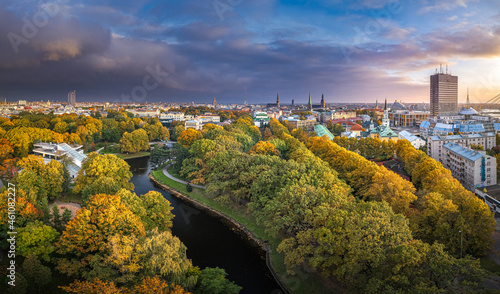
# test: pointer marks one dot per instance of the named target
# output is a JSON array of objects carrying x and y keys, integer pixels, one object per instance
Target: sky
[{"x": 193, "y": 51}]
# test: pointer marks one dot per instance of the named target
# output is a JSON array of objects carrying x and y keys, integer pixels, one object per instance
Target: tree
[
  {"x": 134, "y": 142},
  {"x": 61, "y": 127},
  {"x": 213, "y": 281},
  {"x": 336, "y": 129},
  {"x": 477, "y": 147},
  {"x": 96, "y": 286},
  {"x": 37, "y": 239},
  {"x": 149, "y": 285},
  {"x": 189, "y": 136},
  {"x": 39, "y": 179},
  {"x": 264, "y": 148},
  {"x": 177, "y": 132},
  {"x": 89, "y": 232},
  {"x": 153, "y": 209},
  {"x": 38, "y": 275},
  {"x": 103, "y": 173},
  {"x": 158, "y": 155},
  {"x": 66, "y": 217}
]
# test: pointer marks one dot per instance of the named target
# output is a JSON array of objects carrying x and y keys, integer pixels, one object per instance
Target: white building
[
  {"x": 209, "y": 118},
  {"x": 174, "y": 116},
  {"x": 415, "y": 141},
  {"x": 51, "y": 151},
  {"x": 195, "y": 124},
  {"x": 435, "y": 143},
  {"x": 145, "y": 112},
  {"x": 473, "y": 169}
]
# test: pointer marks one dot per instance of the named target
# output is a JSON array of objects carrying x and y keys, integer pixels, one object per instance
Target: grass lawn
[
  {"x": 489, "y": 265},
  {"x": 302, "y": 283},
  {"x": 133, "y": 155}
]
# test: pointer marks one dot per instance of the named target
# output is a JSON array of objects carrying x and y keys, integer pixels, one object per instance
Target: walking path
[{"x": 165, "y": 172}]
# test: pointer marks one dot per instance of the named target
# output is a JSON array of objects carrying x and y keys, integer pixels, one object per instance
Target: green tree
[
  {"x": 153, "y": 209},
  {"x": 134, "y": 142},
  {"x": 38, "y": 274},
  {"x": 103, "y": 174},
  {"x": 214, "y": 281},
  {"x": 38, "y": 239},
  {"x": 158, "y": 155}
]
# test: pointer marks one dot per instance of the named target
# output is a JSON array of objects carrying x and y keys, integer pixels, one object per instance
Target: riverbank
[
  {"x": 305, "y": 281},
  {"x": 133, "y": 155}
]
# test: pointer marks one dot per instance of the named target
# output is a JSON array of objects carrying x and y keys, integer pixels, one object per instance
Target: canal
[{"x": 209, "y": 242}]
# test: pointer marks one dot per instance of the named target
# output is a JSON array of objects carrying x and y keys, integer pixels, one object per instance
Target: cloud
[{"x": 444, "y": 5}]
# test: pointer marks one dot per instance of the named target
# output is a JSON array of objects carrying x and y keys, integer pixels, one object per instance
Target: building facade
[
  {"x": 195, "y": 124},
  {"x": 297, "y": 123},
  {"x": 435, "y": 143},
  {"x": 415, "y": 141},
  {"x": 443, "y": 94},
  {"x": 72, "y": 98},
  {"x": 406, "y": 118},
  {"x": 473, "y": 169}
]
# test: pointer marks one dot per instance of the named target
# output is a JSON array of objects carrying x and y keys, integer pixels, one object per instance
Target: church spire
[
  {"x": 309, "y": 104},
  {"x": 323, "y": 103},
  {"x": 385, "y": 106},
  {"x": 214, "y": 103}
]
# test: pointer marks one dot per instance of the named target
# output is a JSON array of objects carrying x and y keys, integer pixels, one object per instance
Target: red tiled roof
[{"x": 356, "y": 127}]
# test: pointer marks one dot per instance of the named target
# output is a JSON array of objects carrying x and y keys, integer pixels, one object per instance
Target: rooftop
[
  {"x": 408, "y": 136},
  {"x": 321, "y": 131},
  {"x": 470, "y": 111},
  {"x": 471, "y": 155}
]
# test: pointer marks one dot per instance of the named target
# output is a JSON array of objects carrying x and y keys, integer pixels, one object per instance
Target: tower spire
[
  {"x": 309, "y": 103},
  {"x": 278, "y": 99},
  {"x": 323, "y": 103},
  {"x": 468, "y": 101},
  {"x": 385, "y": 106}
]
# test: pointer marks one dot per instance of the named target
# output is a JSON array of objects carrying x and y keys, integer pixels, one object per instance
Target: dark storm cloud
[{"x": 104, "y": 49}]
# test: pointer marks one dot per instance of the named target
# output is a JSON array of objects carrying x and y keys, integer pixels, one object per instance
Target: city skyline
[{"x": 152, "y": 51}]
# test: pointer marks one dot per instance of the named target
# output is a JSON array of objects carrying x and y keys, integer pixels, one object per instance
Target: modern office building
[
  {"x": 407, "y": 118},
  {"x": 443, "y": 93},
  {"x": 435, "y": 143},
  {"x": 72, "y": 98},
  {"x": 473, "y": 169}
]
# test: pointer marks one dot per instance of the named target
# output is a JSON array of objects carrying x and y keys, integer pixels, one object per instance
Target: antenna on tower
[{"x": 468, "y": 101}]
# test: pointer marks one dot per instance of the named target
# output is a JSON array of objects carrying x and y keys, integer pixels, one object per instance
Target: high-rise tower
[
  {"x": 72, "y": 98},
  {"x": 309, "y": 104},
  {"x": 443, "y": 93},
  {"x": 278, "y": 99}
]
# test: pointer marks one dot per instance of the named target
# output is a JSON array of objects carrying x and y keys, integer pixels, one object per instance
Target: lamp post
[{"x": 461, "y": 242}]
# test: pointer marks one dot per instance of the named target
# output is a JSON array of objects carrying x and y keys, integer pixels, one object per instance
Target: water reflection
[{"x": 210, "y": 243}]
